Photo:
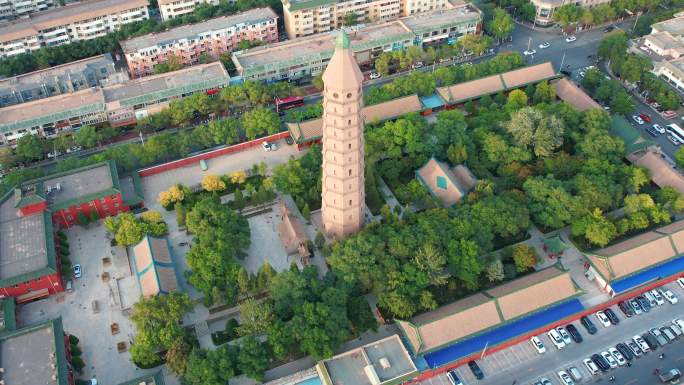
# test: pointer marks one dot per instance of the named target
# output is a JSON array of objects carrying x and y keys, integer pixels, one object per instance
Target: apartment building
[
  {"x": 308, "y": 56},
  {"x": 546, "y": 8},
  {"x": 170, "y": 9},
  {"x": 12, "y": 9},
  {"x": 212, "y": 37},
  {"x": 67, "y": 78},
  {"x": 665, "y": 47},
  {"x": 118, "y": 104},
  {"x": 308, "y": 17},
  {"x": 71, "y": 23}
]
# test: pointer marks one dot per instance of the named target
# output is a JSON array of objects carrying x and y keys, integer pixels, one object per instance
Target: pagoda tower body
[{"x": 343, "y": 195}]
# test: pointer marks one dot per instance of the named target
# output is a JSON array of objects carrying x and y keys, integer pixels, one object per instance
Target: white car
[
  {"x": 591, "y": 366},
  {"x": 674, "y": 141},
  {"x": 556, "y": 339},
  {"x": 657, "y": 297},
  {"x": 374, "y": 75},
  {"x": 642, "y": 344},
  {"x": 418, "y": 64},
  {"x": 570, "y": 39},
  {"x": 611, "y": 360},
  {"x": 564, "y": 335},
  {"x": 266, "y": 146},
  {"x": 544, "y": 45},
  {"x": 659, "y": 128},
  {"x": 679, "y": 323},
  {"x": 529, "y": 52},
  {"x": 637, "y": 119},
  {"x": 77, "y": 270},
  {"x": 618, "y": 356},
  {"x": 565, "y": 378},
  {"x": 669, "y": 296},
  {"x": 680, "y": 281},
  {"x": 603, "y": 319},
  {"x": 538, "y": 345}
]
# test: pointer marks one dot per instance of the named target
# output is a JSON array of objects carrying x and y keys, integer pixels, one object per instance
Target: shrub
[
  {"x": 78, "y": 364},
  {"x": 73, "y": 340}
]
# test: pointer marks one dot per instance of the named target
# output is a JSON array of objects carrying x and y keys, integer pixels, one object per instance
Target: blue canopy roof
[{"x": 671, "y": 267}]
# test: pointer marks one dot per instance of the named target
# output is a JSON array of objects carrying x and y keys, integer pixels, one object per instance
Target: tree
[
  {"x": 532, "y": 128},
  {"x": 595, "y": 228},
  {"x": 567, "y": 14},
  {"x": 180, "y": 214},
  {"x": 152, "y": 216},
  {"x": 549, "y": 202},
  {"x": 501, "y": 25},
  {"x": 157, "y": 321},
  {"x": 382, "y": 63},
  {"x": 544, "y": 93},
  {"x": 517, "y": 99},
  {"x": 260, "y": 121},
  {"x": 87, "y": 137},
  {"x": 319, "y": 241},
  {"x": 255, "y": 317},
  {"x": 613, "y": 45},
  {"x": 7, "y": 158},
  {"x": 679, "y": 157},
  {"x": 174, "y": 194},
  {"x": 670, "y": 199},
  {"x": 252, "y": 358},
  {"x": 525, "y": 257},
  {"x": 173, "y": 63},
  {"x": 238, "y": 177},
  {"x": 350, "y": 19},
  {"x": 306, "y": 212},
  {"x": 495, "y": 271},
  {"x": 213, "y": 183},
  {"x": 211, "y": 367},
  {"x": 30, "y": 148}
]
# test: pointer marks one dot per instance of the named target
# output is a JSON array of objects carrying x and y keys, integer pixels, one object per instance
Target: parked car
[
  {"x": 673, "y": 140},
  {"x": 565, "y": 378},
  {"x": 600, "y": 362},
  {"x": 266, "y": 146},
  {"x": 591, "y": 366},
  {"x": 544, "y": 45},
  {"x": 641, "y": 342},
  {"x": 529, "y": 52},
  {"x": 650, "y": 298},
  {"x": 570, "y": 39},
  {"x": 659, "y": 336},
  {"x": 564, "y": 335},
  {"x": 651, "y": 342},
  {"x": 669, "y": 114},
  {"x": 289, "y": 140},
  {"x": 637, "y": 119},
  {"x": 586, "y": 322},
  {"x": 680, "y": 282},
  {"x": 659, "y": 128},
  {"x": 375, "y": 75},
  {"x": 669, "y": 296},
  {"x": 668, "y": 333},
  {"x": 636, "y": 349},
  {"x": 670, "y": 375},
  {"x": 556, "y": 339},
  {"x": 625, "y": 351},
  {"x": 574, "y": 333},
  {"x": 646, "y": 118},
  {"x": 618, "y": 356},
  {"x": 626, "y": 309},
  {"x": 657, "y": 297},
  {"x": 575, "y": 373},
  {"x": 612, "y": 317},
  {"x": 679, "y": 323},
  {"x": 538, "y": 345},
  {"x": 643, "y": 302},
  {"x": 676, "y": 330},
  {"x": 477, "y": 372},
  {"x": 77, "y": 270},
  {"x": 635, "y": 306},
  {"x": 603, "y": 319},
  {"x": 610, "y": 359},
  {"x": 418, "y": 64},
  {"x": 453, "y": 378}
]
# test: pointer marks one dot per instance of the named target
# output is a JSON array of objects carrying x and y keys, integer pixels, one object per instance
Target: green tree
[
  {"x": 173, "y": 63},
  {"x": 544, "y": 93},
  {"x": 517, "y": 99},
  {"x": 679, "y": 157},
  {"x": 7, "y": 158},
  {"x": 382, "y": 63},
  {"x": 525, "y": 258},
  {"x": 319, "y": 241},
  {"x": 501, "y": 25},
  {"x": 595, "y": 228},
  {"x": 260, "y": 121},
  {"x": 532, "y": 128},
  {"x": 255, "y": 317},
  {"x": 613, "y": 45},
  {"x": 495, "y": 271},
  {"x": 252, "y": 358},
  {"x": 350, "y": 19},
  {"x": 30, "y": 148},
  {"x": 211, "y": 367},
  {"x": 567, "y": 14}
]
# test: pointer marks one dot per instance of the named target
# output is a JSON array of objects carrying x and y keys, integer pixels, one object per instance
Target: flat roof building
[
  {"x": 308, "y": 56},
  {"x": 67, "y": 24},
  {"x": 63, "y": 79},
  {"x": 189, "y": 42},
  {"x": 170, "y": 9},
  {"x": 12, "y": 9},
  {"x": 382, "y": 362},
  {"x": 35, "y": 355}
]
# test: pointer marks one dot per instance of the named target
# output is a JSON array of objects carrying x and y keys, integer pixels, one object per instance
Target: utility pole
[
  {"x": 142, "y": 140},
  {"x": 562, "y": 62},
  {"x": 529, "y": 42}
]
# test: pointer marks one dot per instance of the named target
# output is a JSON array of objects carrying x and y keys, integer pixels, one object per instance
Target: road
[{"x": 522, "y": 364}]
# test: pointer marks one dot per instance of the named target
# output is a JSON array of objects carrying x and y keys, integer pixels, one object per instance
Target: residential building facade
[
  {"x": 308, "y": 56},
  {"x": 67, "y": 78},
  {"x": 68, "y": 24},
  {"x": 189, "y": 43},
  {"x": 546, "y": 8},
  {"x": 308, "y": 17},
  {"x": 170, "y": 9},
  {"x": 12, "y": 9},
  {"x": 664, "y": 46},
  {"x": 118, "y": 104}
]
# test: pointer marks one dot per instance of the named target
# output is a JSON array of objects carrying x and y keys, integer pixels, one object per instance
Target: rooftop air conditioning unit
[
  {"x": 58, "y": 186},
  {"x": 384, "y": 363}
]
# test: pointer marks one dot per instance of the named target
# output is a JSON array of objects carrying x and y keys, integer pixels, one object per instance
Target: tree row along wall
[
  {"x": 476, "y": 356},
  {"x": 209, "y": 155}
]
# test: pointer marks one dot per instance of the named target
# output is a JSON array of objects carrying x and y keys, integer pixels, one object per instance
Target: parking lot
[{"x": 521, "y": 364}]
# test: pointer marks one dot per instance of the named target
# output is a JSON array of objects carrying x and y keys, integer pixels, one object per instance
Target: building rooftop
[
  {"x": 296, "y": 5},
  {"x": 150, "y": 379},
  {"x": 34, "y": 355},
  {"x": 382, "y": 362},
  {"x": 192, "y": 31},
  {"x": 662, "y": 173},
  {"x": 674, "y": 26},
  {"x": 664, "y": 40},
  {"x": 50, "y": 109},
  {"x": 174, "y": 83},
  {"x": 448, "y": 185},
  {"x": 46, "y": 75},
  {"x": 489, "y": 309},
  {"x": 568, "y": 92},
  {"x": 459, "y": 12},
  {"x": 64, "y": 15},
  {"x": 527, "y": 75},
  {"x": 640, "y": 252},
  {"x": 81, "y": 184},
  {"x": 154, "y": 266},
  {"x": 22, "y": 243}
]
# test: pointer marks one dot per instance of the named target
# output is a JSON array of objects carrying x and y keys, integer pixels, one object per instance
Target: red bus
[{"x": 289, "y": 102}]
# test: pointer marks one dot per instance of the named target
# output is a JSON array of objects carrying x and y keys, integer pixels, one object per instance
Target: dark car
[
  {"x": 643, "y": 302},
  {"x": 650, "y": 341},
  {"x": 574, "y": 333},
  {"x": 600, "y": 362},
  {"x": 609, "y": 28},
  {"x": 611, "y": 316},
  {"x": 625, "y": 350},
  {"x": 626, "y": 309},
  {"x": 289, "y": 140},
  {"x": 591, "y": 328},
  {"x": 636, "y": 306},
  {"x": 566, "y": 73},
  {"x": 476, "y": 370}
]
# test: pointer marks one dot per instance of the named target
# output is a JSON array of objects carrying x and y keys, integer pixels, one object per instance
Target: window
[
  {"x": 350, "y": 172},
  {"x": 349, "y": 95},
  {"x": 350, "y": 202},
  {"x": 441, "y": 182}
]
